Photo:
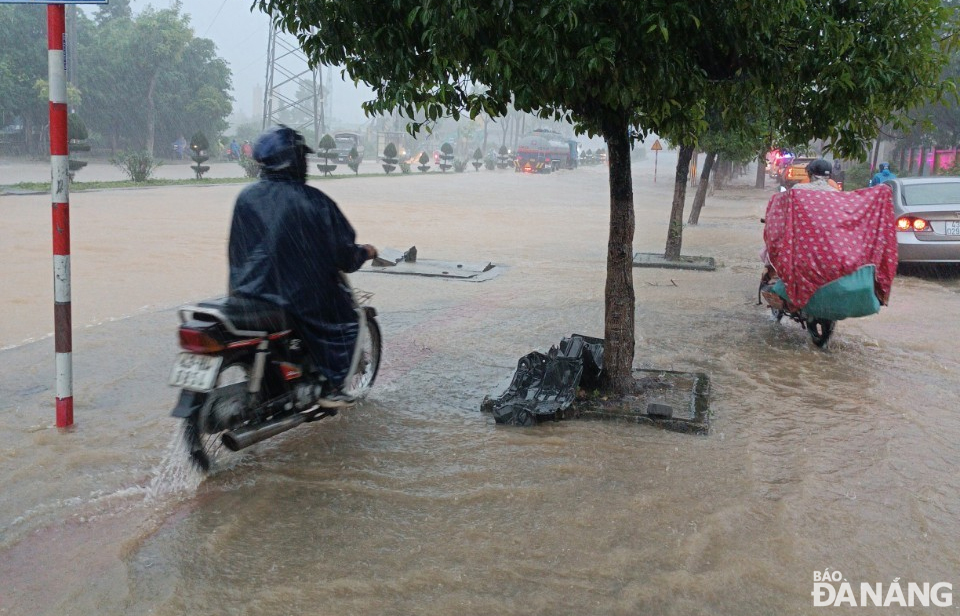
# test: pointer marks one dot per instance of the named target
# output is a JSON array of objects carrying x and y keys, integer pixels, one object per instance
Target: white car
[{"x": 928, "y": 219}]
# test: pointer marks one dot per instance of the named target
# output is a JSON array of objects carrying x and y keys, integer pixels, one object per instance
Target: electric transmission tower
[{"x": 293, "y": 94}]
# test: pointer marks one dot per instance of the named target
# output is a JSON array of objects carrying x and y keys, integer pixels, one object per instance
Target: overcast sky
[{"x": 241, "y": 38}]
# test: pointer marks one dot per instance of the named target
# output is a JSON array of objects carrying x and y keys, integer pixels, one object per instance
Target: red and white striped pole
[{"x": 60, "y": 193}]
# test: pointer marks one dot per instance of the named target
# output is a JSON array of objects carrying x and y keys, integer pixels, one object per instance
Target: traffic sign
[{"x": 656, "y": 147}]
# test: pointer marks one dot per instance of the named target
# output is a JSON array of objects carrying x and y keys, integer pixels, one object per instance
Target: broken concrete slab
[
  {"x": 392, "y": 261},
  {"x": 388, "y": 257},
  {"x": 653, "y": 259},
  {"x": 472, "y": 272}
]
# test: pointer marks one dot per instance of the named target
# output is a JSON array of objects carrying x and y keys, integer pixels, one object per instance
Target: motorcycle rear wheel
[
  {"x": 370, "y": 352},
  {"x": 820, "y": 331},
  {"x": 202, "y": 433}
]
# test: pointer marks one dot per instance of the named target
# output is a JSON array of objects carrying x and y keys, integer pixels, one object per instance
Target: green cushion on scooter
[{"x": 850, "y": 296}]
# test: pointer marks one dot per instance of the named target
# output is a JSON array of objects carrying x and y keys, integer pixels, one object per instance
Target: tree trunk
[
  {"x": 151, "y": 115},
  {"x": 619, "y": 299},
  {"x": 30, "y": 147},
  {"x": 675, "y": 230},
  {"x": 923, "y": 160},
  {"x": 701, "y": 194},
  {"x": 486, "y": 123},
  {"x": 876, "y": 153},
  {"x": 761, "y": 170},
  {"x": 723, "y": 171}
]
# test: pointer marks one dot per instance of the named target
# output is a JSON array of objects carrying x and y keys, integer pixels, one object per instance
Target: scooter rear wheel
[
  {"x": 820, "y": 331},
  {"x": 202, "y": 433}
]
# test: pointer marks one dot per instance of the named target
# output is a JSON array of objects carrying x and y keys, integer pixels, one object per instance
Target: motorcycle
[
  {"x": 820, "y": 330},
  {"x": 244, "y": 374},
  {"x": 828, "y": 256}
]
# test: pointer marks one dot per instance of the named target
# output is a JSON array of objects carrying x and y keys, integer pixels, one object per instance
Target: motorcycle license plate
[
  {"x": 953, "y": 227},
  {"x": 195, "y": 372}
]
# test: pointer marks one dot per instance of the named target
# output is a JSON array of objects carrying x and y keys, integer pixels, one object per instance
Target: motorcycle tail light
[
  {"x": 912, "y": 223},
  {"x": 199, "y": 342}
]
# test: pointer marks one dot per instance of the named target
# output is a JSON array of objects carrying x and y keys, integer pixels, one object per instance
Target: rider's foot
[{"x": 336, "y": 398}]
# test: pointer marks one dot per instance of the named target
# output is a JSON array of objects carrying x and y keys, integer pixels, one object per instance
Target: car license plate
[
  {"x": 953, "y": 227},
  {"x": 195, "y": 372}
]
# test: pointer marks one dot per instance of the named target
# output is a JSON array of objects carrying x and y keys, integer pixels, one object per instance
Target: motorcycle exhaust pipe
[{"x": 244, "y": 437}]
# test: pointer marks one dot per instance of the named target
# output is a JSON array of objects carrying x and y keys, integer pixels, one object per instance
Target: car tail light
[
  {"x": 199, "y": 342},
  {"x": 912, "y": 223}
]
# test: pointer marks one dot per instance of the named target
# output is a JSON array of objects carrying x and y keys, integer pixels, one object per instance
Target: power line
[{"x": 214, "y": 18}]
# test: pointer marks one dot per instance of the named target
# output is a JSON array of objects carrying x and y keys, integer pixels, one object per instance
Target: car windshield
[{"x": 945, "y": 193}]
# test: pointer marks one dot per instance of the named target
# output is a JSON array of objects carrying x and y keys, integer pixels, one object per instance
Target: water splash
[{"x": 175, "y": 475}]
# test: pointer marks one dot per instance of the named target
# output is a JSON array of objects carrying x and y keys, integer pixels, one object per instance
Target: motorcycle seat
[{"x": 249, "y": 314}]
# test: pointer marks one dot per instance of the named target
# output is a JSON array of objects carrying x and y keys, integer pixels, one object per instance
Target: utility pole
[{"x": 293, "y": 92}]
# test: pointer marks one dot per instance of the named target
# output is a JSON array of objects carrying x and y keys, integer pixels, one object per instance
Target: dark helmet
[
  {"x": 282, "y": 149},
  {"x": 819, "y": 167},
  {"x": 884, "y": 167}
]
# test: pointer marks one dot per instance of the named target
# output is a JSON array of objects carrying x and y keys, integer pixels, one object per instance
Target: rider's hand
[{"x": 371, "y": 251}]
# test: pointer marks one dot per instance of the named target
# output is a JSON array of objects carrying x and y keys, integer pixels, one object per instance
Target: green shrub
[
  {"x": 856, "y": 176},
  {"x": 503, "y": 157},
  {"x": 390, "y": 158},
  {"x": 326, "y": 150},
  {"x": 77, "y": 142},
  {"x": 198, "y": 154},
  {"x": 353, "y": 160},
  {"x": 76, "y": 129},
  {"x": 446, "y": 155},
  {"x": 250, "y": 167},
  {"x": 138, "y": 166},
  {"x": 199, "y": 143},
  {"x": 424, "y": 159}
]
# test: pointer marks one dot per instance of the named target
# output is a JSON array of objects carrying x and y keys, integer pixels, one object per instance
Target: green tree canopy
[
  {"x": 147, "y": 79},
  {"x": 23, "y": 61},
  {"x": 623, "y": 69}
]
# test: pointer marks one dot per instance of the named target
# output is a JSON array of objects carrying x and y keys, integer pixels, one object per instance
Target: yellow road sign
[{"x": 656, "y": 147}]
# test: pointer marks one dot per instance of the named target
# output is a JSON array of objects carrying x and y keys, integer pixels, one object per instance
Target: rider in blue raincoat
[
  {"x": 882, "y": 175},
  {"x": 288, "y": 244}
]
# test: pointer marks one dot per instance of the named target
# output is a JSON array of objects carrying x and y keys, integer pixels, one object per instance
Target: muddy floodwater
[{"x": 415, "y": 502}]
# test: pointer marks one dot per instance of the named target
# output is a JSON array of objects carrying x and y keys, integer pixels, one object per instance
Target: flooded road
[{"x": 415, "y": 502}]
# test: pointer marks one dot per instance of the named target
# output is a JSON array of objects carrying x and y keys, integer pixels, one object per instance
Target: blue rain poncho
[{"x": 288, "y": 244}]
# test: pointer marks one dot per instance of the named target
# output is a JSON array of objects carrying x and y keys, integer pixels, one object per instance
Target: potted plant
[
  {"x": 390, "y": 158},
  {"x": 327, "y": 149},
  {"x": 446, "y": 156},
  {"x": 198, "y": 154},
  {"x": 424, "y": 159}
]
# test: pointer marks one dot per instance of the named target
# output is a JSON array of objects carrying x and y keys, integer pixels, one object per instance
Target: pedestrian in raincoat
[{"x": 289, "y": 242}]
